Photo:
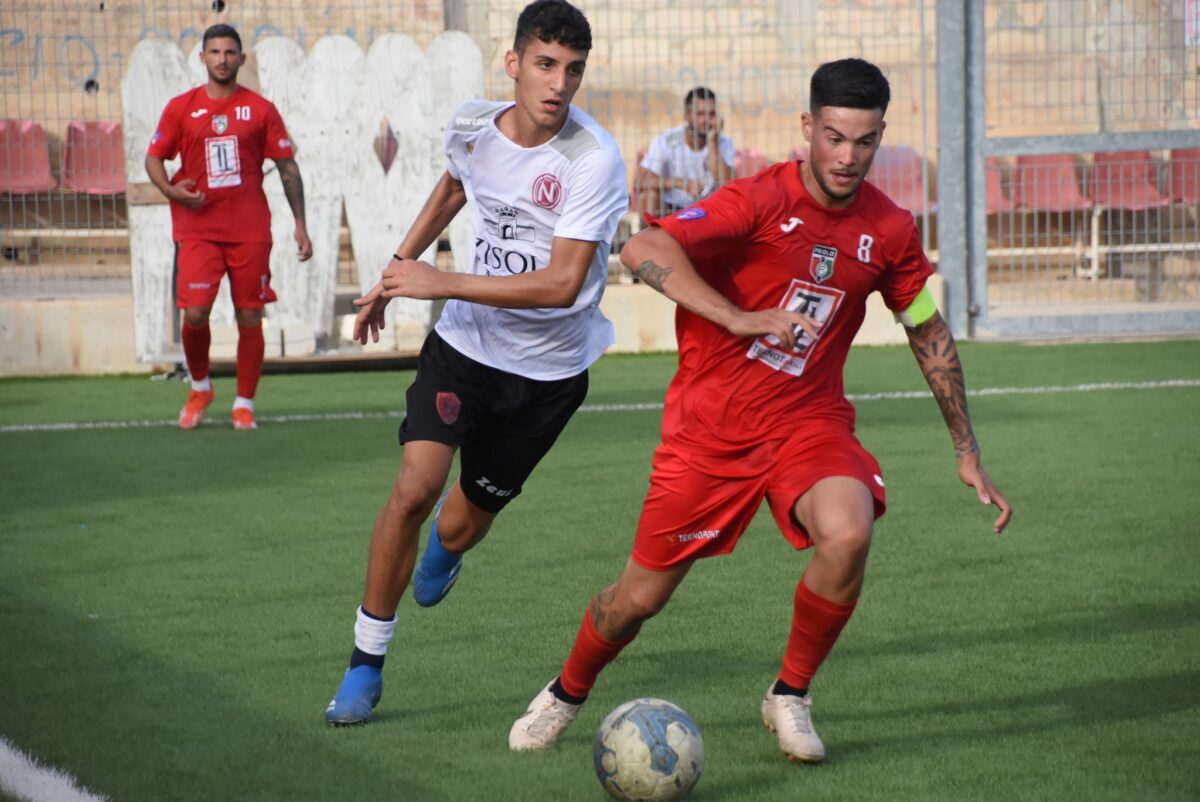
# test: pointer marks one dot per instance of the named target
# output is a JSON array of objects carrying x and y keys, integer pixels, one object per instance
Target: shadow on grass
[{"x": 130, "y": 726}]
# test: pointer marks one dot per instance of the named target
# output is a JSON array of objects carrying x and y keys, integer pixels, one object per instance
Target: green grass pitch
[{"x": 176, "y": 608}]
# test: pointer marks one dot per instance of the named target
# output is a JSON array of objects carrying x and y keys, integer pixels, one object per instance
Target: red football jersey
[
  {"x": 222, "y": 144},
  {"x": 761, "y": 242}
]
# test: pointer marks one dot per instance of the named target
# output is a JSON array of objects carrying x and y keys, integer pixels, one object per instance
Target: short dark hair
[
  {"x": 553, "y": 21},
  {"x": 698, "y": 93},
  {"x": 221, "y": 31},
  {"x": 850, "y": 83}
]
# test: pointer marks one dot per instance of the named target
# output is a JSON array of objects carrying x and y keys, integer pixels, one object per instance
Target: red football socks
[
  {"x": 195, "y": 349},
  {"x": 816, "y": 624},
  {"x": 250, "y": 350},
  {"x": 588, "y": 657}
]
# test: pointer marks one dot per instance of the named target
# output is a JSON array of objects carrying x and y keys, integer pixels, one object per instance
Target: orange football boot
[{"x": 193, "y": 410}]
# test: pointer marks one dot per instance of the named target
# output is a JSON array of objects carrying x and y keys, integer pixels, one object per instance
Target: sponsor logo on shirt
[
  {"x": 157, "y": 136},
  {"x": 471, "y": 121},
  {"x": 812, "y": 300},
  {"x": 792, "y": 222},
  {"x": 503, "y": 260},
  {"x": 691, "y": 213},
  {"x": 220, "y": 123},
  {"x": 547, "y": 191},
  {"x": 821, "y": 266},
  {"x": 284, "y": 143},
  {"x": 199, "y": 113}
]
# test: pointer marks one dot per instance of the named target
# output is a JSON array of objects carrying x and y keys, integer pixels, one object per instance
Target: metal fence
[{"x": 985, "y": 93}]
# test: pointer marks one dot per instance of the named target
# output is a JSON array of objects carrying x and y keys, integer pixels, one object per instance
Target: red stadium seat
[
  {"x": 1047, "y": 184},
  {"x": 94, "y": 157},
  {"x": 1184, "y": 186},
  {"x": 24, "y": 158},
  {"x": 899, "y": 171},
  {"x": 1126, "y": 180},
  {"x": 749, "y": 161},
  {"x": 995, "y": 200}
]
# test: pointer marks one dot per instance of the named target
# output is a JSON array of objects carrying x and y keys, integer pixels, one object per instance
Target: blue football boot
[
  {"x": 356, "y": 697},
  {"x": 438, "y": 570}
]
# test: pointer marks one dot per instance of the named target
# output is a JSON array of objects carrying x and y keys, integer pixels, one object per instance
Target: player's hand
[
  {"x": 784, "y": 325},
  {"x": 971, "y": 472},
  {"x": 303, "y": 244},
  {"x": 412, "y": 279},
  {"x": 370, "y": 315},
  {"x": 184, "y": 194},
  {"x": 693, "y": 187},
  {"x": 716, "y": 126}
]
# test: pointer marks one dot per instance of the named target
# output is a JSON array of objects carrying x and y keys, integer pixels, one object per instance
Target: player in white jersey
[{"x": 506, "y": 365}]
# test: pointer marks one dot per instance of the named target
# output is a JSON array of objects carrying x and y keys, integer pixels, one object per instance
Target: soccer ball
[{"x": 648, "y": 749}]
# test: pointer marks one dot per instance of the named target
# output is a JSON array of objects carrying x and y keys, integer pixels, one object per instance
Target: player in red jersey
[
  {"x": 222, "y": 132},
  {"x": 771, "y": 275}
]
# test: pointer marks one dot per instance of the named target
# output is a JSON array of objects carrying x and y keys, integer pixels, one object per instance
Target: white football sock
[
  {"x": 243, "y": 403},
  {"x": 372, "y": 635},
  {"x": 202, "y": 386}
]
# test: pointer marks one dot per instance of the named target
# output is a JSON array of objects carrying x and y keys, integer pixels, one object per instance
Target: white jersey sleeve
[
  {"x": 468, "y": 121},
  {"x": 596, "y": 197},
  {"x": 658, "y": 157}
]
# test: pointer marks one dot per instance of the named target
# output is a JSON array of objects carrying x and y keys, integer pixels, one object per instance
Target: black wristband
[{"x": 397, "y": 257}]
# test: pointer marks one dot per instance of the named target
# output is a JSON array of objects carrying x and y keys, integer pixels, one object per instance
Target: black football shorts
[{"x": 502, "y": 423}]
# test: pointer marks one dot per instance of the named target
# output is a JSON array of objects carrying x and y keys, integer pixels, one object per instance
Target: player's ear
[
  {"x": 806, "y": 124},
  {"x": 512, "y": 60}
]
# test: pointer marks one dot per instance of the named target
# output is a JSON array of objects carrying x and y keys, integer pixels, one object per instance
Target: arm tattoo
[
  {"x": 653, "y": 274},
  {"x": 936, "y": 352},
  {"x": 293, "y": 187}
]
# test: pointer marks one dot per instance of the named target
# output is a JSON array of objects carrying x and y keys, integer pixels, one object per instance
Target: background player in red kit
[
  {"x": 221, "y": 221},
  {"x": 757, "y": 409}
]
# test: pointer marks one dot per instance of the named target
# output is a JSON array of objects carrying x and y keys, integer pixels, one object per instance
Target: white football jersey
[{"x": 521, "y": 199}]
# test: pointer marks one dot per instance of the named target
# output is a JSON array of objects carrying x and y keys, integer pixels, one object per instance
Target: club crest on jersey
[
  {"x": 547, "y": 191},
  {"x": 448, "y": 407},
  {"x": 823, "y": 258},
  {"x": 220, "y": 123},
  {"x": 506, "y": 225},
  {"x": 690, "y": 213}
]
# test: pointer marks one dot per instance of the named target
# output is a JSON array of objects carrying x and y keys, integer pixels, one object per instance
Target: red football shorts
[
  {"x": 200, "y": 266},
  {"x": 690, "y": 513}
]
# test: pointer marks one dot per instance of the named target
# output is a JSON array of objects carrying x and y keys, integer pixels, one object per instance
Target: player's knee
[
  {"x": 641, "y": 604},
  {"x": 196, "y": 316},
  {"x": 411, "y": 501},
  {"x": 850, "y": 541},
  {"x": 249, "y": 318}
]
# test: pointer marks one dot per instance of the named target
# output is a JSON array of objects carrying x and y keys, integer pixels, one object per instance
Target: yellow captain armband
[{"x": 921, "y": 309}]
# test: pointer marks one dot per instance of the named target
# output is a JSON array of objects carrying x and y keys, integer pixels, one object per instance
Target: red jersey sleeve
[
  {"x": 907, "y": 267},
  {"x": 164, "y": 144},
  {"x": 278, "y": 143},
  {"x": 712, "y": 224}
]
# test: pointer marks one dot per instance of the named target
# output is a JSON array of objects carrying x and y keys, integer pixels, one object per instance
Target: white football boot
[
  {"x": 546, "y": 718},
  {"x": 790, "y": 717}
]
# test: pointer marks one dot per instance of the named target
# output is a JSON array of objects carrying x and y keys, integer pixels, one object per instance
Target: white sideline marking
[
  {"x": 335, "y": 416},
  {"x": 25, "y": 778}
]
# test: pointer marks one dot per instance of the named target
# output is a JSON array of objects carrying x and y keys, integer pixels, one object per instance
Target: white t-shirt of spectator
[
  {"x": 573, "y": 187},
  {"x": 670, "y": 157}
]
